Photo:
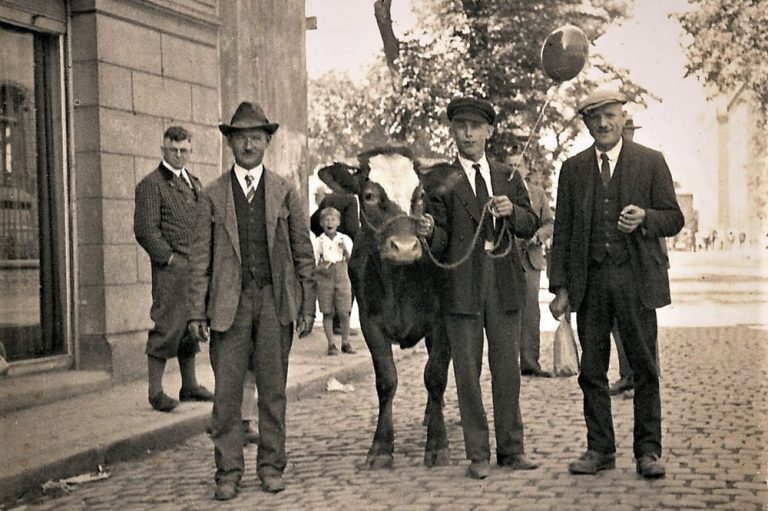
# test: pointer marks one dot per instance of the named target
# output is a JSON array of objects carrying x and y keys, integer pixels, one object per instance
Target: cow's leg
[
  {"x": 435, "y": 380},
  {"x": 380, "y": 453}
]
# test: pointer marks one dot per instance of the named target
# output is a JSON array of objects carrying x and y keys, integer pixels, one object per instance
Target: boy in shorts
[{"x": 334, "y": 289}]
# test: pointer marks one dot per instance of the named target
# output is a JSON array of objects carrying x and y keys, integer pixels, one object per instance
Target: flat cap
[
  {"x": 471, "y": 108},
  {"x": 601, "y": 97}
]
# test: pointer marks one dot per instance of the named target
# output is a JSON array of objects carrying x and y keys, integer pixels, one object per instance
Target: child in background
[{"x": 334, "y": 290}]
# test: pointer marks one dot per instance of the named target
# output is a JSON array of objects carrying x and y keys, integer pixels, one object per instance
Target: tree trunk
[{"x": 382, "y": 12}]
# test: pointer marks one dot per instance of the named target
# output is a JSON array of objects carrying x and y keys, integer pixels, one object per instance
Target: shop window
[{"x": 31, "y": 180}]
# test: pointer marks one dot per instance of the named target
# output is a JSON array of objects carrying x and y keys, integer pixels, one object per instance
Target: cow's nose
[{"x": 404, "y": 249}]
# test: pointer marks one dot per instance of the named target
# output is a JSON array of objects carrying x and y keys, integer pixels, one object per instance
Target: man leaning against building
[
  {"x": 169, "y": 202},
  {"x": 614, "y": 201},
  {"x": 253, "y": 259}
]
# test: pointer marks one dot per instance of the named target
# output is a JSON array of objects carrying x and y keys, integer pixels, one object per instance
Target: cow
[{"x": 394, "y": 282}]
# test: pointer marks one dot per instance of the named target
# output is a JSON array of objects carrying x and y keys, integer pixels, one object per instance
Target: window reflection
[{"x": 29, "y": 308}]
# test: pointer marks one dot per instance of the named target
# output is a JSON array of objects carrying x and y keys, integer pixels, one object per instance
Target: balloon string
[{"x": 533, "y": 132}]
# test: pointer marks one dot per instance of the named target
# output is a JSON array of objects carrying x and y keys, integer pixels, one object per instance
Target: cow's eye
[{"x": 369, "y": 197}]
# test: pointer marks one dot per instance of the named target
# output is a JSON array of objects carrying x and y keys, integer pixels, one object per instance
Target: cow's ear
[{"x": 340, "y": 176}]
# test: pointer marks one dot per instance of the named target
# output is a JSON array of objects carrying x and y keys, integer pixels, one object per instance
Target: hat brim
[
  {"x": 227, "y": 130},
  {"x": 588, "y": 108}
]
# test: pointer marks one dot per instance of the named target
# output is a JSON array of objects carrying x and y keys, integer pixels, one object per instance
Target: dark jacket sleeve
[
  {"x": 561, "y": 238},
  {"x": 663, "y": 218}
]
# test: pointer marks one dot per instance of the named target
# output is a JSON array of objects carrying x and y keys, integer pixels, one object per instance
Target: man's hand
[
  {"x": 560, "y": 305},
  {"x": 630, "y": 218},
  {"x": 501, "y": 206},
  {"x": 304, "y": 326},
  {"x": 198, "y": 330},
  {"x": 425, "y": 226}
]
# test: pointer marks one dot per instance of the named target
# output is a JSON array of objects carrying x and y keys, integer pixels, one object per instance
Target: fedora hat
[
  {"x": 630, "y": 124},
  {"x": 249, "y": 115}
]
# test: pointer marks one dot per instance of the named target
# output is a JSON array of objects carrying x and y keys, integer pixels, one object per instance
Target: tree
[
  {"x": 726, "y": 49},
  {"x": 727, "y": 46},
  {"x": 488, "y": 48}
]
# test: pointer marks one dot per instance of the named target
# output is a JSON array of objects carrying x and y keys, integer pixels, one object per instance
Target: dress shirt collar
[
  {"x": 613, "y": 154},
  {"x": 255, "y": 172},
  {"x": 485, "y": 171},
  {"x": 183, "y": 173}
]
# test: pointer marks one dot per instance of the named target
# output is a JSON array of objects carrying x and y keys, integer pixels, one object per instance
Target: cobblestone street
[{"x": 714, "y": 384}]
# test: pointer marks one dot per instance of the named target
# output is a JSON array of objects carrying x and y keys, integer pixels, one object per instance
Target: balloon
[{"x": 564, "y": 53}]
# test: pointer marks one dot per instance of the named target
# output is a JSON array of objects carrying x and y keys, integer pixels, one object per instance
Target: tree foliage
[
  {"x": 728, "y": 46},
  {"x": 487, "y": 48},
  {"x": 727, "y": 49}
]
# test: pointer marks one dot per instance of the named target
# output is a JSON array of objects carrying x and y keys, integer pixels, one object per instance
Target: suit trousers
[
  {"x": 613, "y": 292},
  {"x": 465, "y": 334},
  {"x": 530, "y": 319},
  {"x": 256, "y": 336}
]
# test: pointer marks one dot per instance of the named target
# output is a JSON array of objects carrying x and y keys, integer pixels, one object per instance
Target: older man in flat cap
[
  {"x": 614, "y": 201},
  {"x": 253, "y": 268},
  {"x": 485, "y": 293}
]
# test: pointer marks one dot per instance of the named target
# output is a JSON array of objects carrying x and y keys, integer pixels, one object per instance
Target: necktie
[
  {"x": 251, "y": 189},
  {"x": 605, "y": 169},
  {"x": 185, "y": 178},
  {"x": 481, "y": 192}
]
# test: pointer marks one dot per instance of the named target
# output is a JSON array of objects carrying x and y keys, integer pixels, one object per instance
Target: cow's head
[{"x": 391, "y": 196}]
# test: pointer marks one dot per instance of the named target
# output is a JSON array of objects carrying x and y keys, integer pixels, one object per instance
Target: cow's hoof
[
  {"x": 438, "y": 458},
  {"x": 379, "y": 461}
]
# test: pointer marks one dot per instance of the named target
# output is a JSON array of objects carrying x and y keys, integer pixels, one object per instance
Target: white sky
[{"x": 682, "y": 126}]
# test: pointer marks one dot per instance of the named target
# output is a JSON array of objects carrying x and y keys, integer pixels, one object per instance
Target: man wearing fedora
[
  {"x": 253, "y": 279},
  {"x": 614, "y": 201},
  {"x": 486, "y": 293}
]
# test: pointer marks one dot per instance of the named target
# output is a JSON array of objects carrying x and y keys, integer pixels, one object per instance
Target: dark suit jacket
[
  {"x": 165, "y": 218},
  {"x": 534, "y": 253},
  {"x": 454, "y": 207},
  {"x": 645, "y": 182},
  {"x": 347, "y": 206},
  {"x": 217, "y": 264}
]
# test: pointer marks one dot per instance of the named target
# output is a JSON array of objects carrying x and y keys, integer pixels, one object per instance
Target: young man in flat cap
[
  {"x": 614, "y": 201},
  {"x": 484, "y": 293},
  {"x": 169, "y": 201},
  {"x": 252, "y": 272}
]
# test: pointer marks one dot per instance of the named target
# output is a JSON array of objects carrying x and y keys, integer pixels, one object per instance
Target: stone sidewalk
[{"x": 78, "y": 434}]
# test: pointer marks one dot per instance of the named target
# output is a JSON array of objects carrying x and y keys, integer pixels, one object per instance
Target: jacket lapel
[
  {"x": 629, "y": 178},
  {"x": 588, "y": 174},
  {"x": 224, "y": 204},
  {"x": 274, "y": 193},
  {"x": 465, "y": 194}
]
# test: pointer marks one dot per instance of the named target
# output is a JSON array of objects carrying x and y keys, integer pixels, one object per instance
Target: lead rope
[{"x": 505, "y": 232}]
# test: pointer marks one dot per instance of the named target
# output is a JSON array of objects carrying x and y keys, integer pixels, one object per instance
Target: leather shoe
[
  {"x": 225, "y": 490},
  {"x": 539, "y": 373},
  {"x": 649, "y": 466},
  {"x": 250, "y": 435},
  {"x": 479, "y": 469},
  {"x": 347, "y": 348},
  {"x": 517, "y": 462},
  {"x": 623, "y": 384},
  {"x": 272, "y": 484},
  {"x": 162, "y": 402},
  {"x": 198, "y": 393},
  {"x": 591, "y": 462}
]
